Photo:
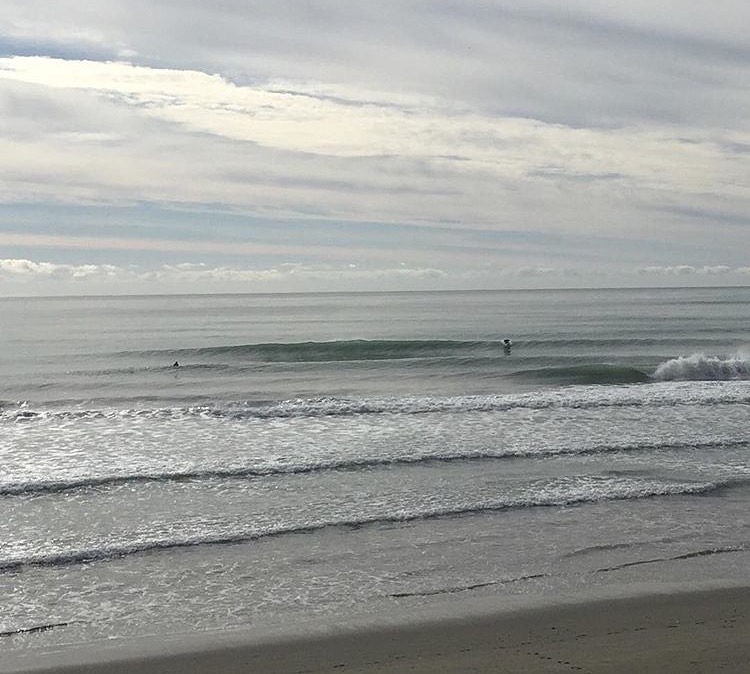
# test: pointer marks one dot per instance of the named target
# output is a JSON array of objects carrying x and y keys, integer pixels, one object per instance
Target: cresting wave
[
  {"x": 579, "y": 397},
  {"x": 626, "y": 490},
  {"x": 105, "y": 481},
  {"x": 699, "y": 367},
  {"x": 696, "y": 367}
]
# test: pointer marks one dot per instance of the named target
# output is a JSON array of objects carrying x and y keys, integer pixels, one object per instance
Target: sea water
[{"x": 338, "y": 454}]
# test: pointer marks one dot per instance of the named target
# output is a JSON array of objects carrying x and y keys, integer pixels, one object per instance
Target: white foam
[
  {"x": 699, "y": 367},
  {"x": 722, "y": 381}
]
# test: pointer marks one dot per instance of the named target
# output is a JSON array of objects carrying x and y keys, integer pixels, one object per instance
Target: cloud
[
  {"x": 20, "y": 277},
  {"x": 586, "y": 62},
  {"x": 120, "y": 131},
  {"x": 342, "y": 121},
  {"x": 689, "y": 270},
  {"x": 516, "y": 141},
  {"x": 24, "y": 270}
]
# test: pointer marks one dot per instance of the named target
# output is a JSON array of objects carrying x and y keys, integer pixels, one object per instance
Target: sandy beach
[{"x": 699, "y": 631}]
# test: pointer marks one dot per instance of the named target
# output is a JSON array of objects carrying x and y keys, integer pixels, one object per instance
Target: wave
[
  {"x": 595, "y": 373},
  {"x": 386, "y": 349},
  {"x": 562, "y": 370},
  {"x": 565, "y": 362},
  {"x": 337, "y": 350},
  {"x": 627, "y": 490},
  {"x": 554, "y": 362},
  {"x": 699, "y": 367},
  {"x": 662, "y": 394},
  {"x": 32, "y": 488},
  {"x": 696, "y": 367}
]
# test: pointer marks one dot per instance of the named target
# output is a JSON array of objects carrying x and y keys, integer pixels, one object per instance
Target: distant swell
[
  {"x": 117, "y": 552},
  {"x": 56, "y": 486},
  {"x": 699, "y": 367}
]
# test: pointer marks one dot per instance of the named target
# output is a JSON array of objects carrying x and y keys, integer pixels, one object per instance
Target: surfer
[
  {"x": 176, "y": 364},
  {"x": 506, "y": 346}
]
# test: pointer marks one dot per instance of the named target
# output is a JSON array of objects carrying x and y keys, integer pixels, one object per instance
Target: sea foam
[{"x": 699, "y": 367}]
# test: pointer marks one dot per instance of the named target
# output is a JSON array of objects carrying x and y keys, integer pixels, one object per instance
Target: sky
[{"x": 336, "y": 145}]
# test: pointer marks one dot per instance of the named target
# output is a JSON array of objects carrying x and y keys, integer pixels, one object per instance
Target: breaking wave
[
  {"x": 589, "y": 491},
  {"x": 699, "y": 367},
  {"x": 33, "y": 487},
  {"x": 663, "y": 394}
]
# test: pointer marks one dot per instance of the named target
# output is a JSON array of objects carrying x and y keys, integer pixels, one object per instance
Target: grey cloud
[
  {"x": 560, "y": 173},
  {"x": 736, "y": 148},
  {"x": 66, "y": 48},
  {"x": 578, "y": 64},
  {"x": 641, "y": 163},
  {"x": 712, "y": 215}
]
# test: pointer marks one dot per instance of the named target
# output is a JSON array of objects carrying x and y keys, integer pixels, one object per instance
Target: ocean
[{"x": 319, "y": 455}]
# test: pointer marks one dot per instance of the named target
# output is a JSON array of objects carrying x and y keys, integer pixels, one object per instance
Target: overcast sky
[{"x": 258, "y": 146}]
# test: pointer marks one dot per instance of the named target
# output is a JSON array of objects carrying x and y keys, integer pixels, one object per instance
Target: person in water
[
  {"x": 506, "y": 346},
  {"x": 176, "y": 364}
]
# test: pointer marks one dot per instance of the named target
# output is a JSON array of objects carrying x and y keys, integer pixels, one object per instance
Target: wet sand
[{"x": 700, "y": 631}]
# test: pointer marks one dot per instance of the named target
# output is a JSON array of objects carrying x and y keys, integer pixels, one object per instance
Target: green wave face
[
  {"x": 356, "y": 349},
  {"x": 587, "y": 374}
]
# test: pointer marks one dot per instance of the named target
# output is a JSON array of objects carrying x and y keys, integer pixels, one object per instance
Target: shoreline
[{"x": 661, "y": 629}]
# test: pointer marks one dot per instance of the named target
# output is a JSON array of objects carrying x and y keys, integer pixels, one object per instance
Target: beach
[{"x": 678, "y": 631}]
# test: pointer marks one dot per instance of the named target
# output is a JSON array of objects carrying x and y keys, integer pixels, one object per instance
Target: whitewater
[{"x": 335, "y": 454}]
